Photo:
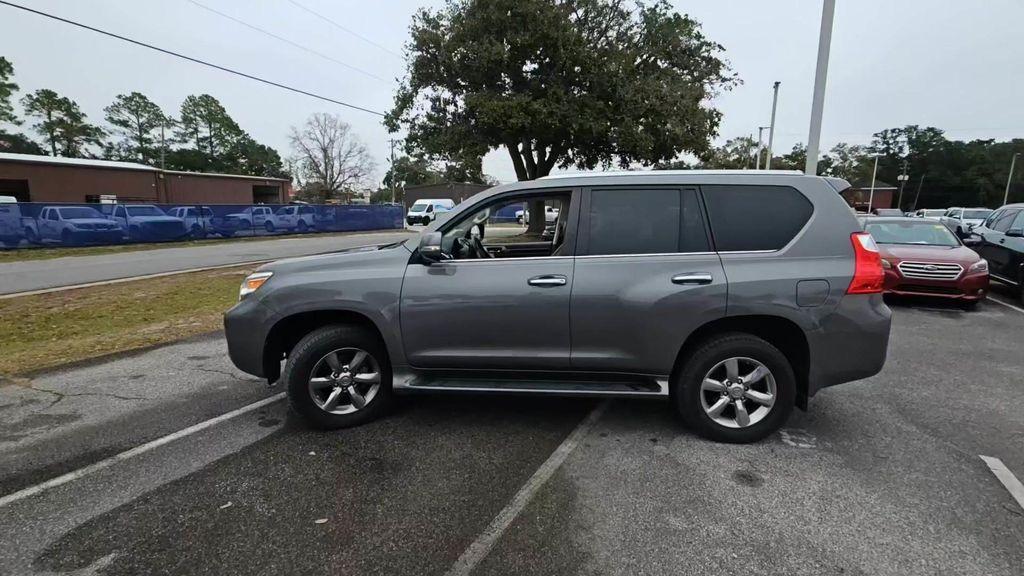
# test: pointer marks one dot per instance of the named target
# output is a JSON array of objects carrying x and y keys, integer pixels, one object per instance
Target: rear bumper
[
  {"x": 851, "y": 343},
  {"x": 971, "y": 287},
  {"x": 245, "y": 331}
]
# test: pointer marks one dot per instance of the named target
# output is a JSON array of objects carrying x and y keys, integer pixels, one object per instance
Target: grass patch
[
  {"x": 23, "y": 254},
  {"x": 48, "y": 330}
]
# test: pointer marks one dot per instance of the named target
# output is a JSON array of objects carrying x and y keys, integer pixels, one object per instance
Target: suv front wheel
[
  {"x": 735, "y": 388},
  {"x": 338, "y": 376}
]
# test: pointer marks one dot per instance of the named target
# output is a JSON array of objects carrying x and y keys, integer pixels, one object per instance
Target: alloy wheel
[
  {"x": 344, "y": 380},
  {"x": 738, "y": 392}
]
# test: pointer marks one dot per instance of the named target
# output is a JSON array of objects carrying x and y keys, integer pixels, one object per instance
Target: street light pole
[
  {"x": 1013, "y": 163},
  {"x": 392, "y": 142},
  {"x": 871, "y": 196},
  {"x": 820, "y": 73},
  {"x": 771, "y": 130},
  {"x": 760, "y": 132},
  {"x": 903, "y": 177}
]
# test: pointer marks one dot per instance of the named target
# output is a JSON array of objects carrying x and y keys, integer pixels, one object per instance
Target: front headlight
[
  {"x": 252, "y": 283},
  {"x": 979, "y": 266}
]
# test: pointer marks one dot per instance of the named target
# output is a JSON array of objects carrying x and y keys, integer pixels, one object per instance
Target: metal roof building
[{"x": 31, "y": 178}]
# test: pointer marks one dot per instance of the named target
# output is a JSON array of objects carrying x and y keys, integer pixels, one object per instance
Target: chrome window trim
[
  {"x": 497, "y": 260},
  {"x": 651, "y": 255}
]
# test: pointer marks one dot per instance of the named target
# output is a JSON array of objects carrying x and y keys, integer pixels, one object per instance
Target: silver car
[{"x": 735, "y": 295}]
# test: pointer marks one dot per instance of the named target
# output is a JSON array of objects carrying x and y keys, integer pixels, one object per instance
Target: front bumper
[
  {"x": 245, "y": 328},
  {"x": 969, "y": 287}
]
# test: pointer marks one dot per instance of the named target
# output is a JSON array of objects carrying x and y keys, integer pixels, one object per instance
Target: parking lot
[{"x": 882, "y": 476}]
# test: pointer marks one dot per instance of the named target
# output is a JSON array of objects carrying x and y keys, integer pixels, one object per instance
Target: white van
[{"x": 424, "y": 211}]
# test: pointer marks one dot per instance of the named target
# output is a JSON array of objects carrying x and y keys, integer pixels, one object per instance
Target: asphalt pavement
[
  {"x": 42, "y": 274},
  {"x": 882, "y": 476}
]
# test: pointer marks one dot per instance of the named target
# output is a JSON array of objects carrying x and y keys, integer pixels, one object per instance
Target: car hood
[
  {"x": 359, "y": 255},
  {"x": 88, "y": 221},
  {"x": 900, "y": 252},
  {"x": 155, "y": 219}
]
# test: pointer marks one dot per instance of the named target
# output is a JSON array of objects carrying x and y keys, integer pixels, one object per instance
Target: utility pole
[
  {"x": 871, "y": 196},
  {"x": 903, "y": 177},
  {"x": 163, "y": 147},
  {"x": 392, "y": 142},
  {"x": 918, "y": 195},
  {"x": 1013, "y": 163},
  {"x": 760, "y": 131},
  {"x": 828, "y": 12},
  {"x": 771, "y": 131}
]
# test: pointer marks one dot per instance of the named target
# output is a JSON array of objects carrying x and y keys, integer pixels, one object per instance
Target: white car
[
  {"x": 930, "y": 213},
  {"x": 961, "y": 220},
  {"x": 297, "y": 217},
  {"x": 198, "y": 219},
  {"x": 550, "y": 215},
  {"x": 425, "y": 210}
]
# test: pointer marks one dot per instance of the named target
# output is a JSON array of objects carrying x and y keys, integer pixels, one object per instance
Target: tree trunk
[{"x": 529, "y": 167}]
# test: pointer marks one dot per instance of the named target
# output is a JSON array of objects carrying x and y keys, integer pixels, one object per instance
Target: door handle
[
  {"x": 1002, "y": 240},
  {"x": 551, "y": 280},
  {"x": 692, "y": 278}
]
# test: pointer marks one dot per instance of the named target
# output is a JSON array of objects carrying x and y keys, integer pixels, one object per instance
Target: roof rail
[{"x": 613, "y": 173}]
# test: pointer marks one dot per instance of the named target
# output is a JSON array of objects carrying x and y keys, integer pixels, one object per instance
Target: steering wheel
[{"x": 479, "y": 249}]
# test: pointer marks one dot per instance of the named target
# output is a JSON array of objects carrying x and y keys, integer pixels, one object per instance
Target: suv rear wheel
[
  {"x": 338, "y": 376},
  {"x": 735, "y": 388}
]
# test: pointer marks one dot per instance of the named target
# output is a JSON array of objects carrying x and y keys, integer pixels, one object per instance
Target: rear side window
[
  {"x": 755, "y": 217},
  {"x": 645, "y": 221},
  {"x": 1002, "y": 223}
]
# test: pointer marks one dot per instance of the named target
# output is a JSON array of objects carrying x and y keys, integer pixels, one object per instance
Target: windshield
[
  {"x": 418, "y": 207},
  {"x": 926, "y": 234},
  {"x": 71, "y": 213},
  {"x": 144, "y": 211},
  {"x": 976, "y": 214}
]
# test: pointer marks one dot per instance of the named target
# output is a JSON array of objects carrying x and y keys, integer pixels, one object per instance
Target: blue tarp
[{"x": 31, "y": 224}]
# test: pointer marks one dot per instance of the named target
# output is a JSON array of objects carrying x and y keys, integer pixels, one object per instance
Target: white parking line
[
  {"x": 480, "y": 547},
  {"x": 1007, "y": 304},
  {"x": 1006, "y": 477},
  {"x": 65, "y": 478}
]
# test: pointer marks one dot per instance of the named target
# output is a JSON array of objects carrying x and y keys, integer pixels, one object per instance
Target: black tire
[
  {"x": 686, "y": 387},
  {"x": 310, "y": 350},
  {"x": 268, "y": 226},
  {"x": 66, "y": 239},
  {"x": 969, "y": 305},
  {"x": 31, "y": 236}
]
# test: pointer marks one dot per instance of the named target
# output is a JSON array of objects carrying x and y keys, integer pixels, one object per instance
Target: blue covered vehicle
[
  {"x": 72, "y": 225},
  {"x": 147, "y": 223}
]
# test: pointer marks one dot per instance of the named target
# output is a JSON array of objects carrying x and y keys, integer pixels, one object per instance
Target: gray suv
[{"x": 736, "y": 295}]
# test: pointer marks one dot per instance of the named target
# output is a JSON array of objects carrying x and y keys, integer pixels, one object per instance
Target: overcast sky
[{"x": 952, "y": 64}]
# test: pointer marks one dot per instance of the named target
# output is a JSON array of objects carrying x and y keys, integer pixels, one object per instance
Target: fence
[{"x": 29, "y": 224}]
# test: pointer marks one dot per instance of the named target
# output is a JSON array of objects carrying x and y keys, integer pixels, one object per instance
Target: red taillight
[{"x": 868, "y": 276}]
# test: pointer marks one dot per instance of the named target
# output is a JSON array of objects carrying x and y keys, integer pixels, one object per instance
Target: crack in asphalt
[
  {"x": 225, "y": 373},
  {"x": 59, "y": 396}
]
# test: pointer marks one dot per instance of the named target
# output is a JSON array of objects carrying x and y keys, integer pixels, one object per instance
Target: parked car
[
  {"x": 72, "y": 225},
  {"x": 198, "y": 219},
  {"x": 887, "y": 212},
  {"x": 1000, "y": 240},
  {"x": 924, "y": 258},
  {"x": 550, "y": 215},
  {"x": 251, "y": 217},
  {"x": 146, "y": 223},
  {"x": 11, "y": 227},
  {"x": 961, "y": 220},
  {"x": 930, "y": 213},
  {"x": 295, "y": 217},
  {"x": 715, "y": 290},
  {"x": 426, "y": 210}
]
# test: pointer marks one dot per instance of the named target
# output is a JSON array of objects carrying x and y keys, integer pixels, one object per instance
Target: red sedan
[{"x": 923, "y": 258}]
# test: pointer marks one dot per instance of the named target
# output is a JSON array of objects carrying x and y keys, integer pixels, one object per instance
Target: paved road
[
  {"x": 880, "y": 477},
  {"x": 41, "y": 274}
]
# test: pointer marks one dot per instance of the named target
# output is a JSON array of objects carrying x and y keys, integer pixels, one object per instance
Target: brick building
[{"x": 32, "y": 178}]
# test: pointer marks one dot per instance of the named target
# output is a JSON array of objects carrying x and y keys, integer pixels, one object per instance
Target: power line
[
  {"x": 289, "y": 42},
  {"x": 191, "y": 59},
  {"x": 344, "y": 29}
]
